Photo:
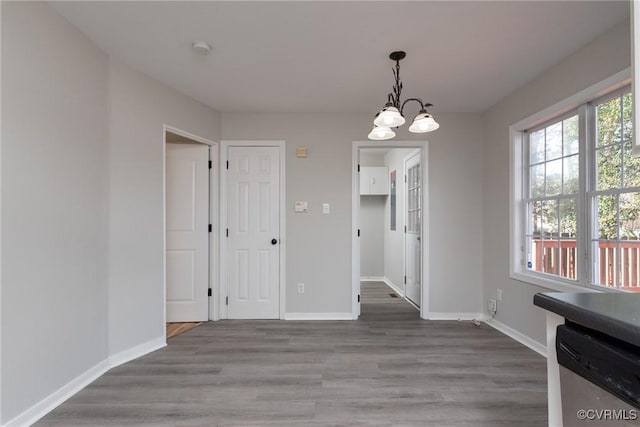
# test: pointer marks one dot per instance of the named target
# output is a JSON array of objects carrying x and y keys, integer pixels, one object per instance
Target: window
[{"x": 580, "y": 197}]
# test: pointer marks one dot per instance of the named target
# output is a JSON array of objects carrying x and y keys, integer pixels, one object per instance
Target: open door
[
  {"x": 187, "y": 184},
  {"x": 413, "y": 256}
]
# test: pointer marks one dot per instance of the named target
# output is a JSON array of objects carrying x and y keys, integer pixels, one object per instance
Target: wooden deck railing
[{"x": 560, "y": 259}]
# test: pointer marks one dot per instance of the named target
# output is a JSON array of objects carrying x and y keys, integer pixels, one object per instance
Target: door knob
[{"x": 274, "y": 241}]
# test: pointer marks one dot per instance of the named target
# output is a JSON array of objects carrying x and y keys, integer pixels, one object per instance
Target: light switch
[
  {"x": 326, "y": 208},
  {"x": 301, "y": 207}
]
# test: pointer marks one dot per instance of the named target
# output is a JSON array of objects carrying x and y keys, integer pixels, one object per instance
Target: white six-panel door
[
  {"x": 253, "y": 242},
  {"x": 413, "y": 203},
  {"x": 187, "y": 193}
]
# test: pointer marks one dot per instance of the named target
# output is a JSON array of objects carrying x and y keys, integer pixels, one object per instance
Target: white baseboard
[
  {"x": 397, "y": 289},
  {"x": 137, "y": 351},
  {"x": 454, "y": 316},
  {"x": 55, "y": 399},
  {"x": 372, "y": 279},
  {"x": 318, "y": 316},
  {"x": 518, "y": 336}
]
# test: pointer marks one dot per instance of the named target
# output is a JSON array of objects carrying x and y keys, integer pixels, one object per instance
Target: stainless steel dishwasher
[{"x": 599, "y": 378}]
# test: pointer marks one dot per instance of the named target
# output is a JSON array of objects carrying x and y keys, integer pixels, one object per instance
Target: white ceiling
[{"x": 320, "y": 56}]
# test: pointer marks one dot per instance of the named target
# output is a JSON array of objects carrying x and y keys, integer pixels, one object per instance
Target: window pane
[
  {"x": 627, "y": 113},
  {"x": 536, "y": 174},
  {"x": 606, "y": 261},
  {"x": 570, "y": 175},
  {"x": 550, "y": 218},
  {"x": 608, "y": 122},
  {"x": 535, "y": 212},
  {"x": 567, "y": 256},
  {"x": 629, "y": 213},
  {"x": 631, "y": 166},
  {"x": 536, "y": 146},
  {"x": 554, "y": 141},
  {"x": 607, "y": 211},
  {"x": 570, "y": 135},
  {"x": 568, "y": 219},
  {"x": 608, "y": 171},
  {"x": 554, "y": 177},
  {"x": 630, "y": 266}
]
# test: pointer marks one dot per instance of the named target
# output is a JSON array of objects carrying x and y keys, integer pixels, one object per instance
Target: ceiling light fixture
[{"x": 391, "y": 115}]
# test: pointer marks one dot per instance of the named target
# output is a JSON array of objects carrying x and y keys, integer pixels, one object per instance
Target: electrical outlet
[
  {"x": 301, "y": 288},
  {"x": 499, "y": 294},
  {"x": 492, "y": 306}
]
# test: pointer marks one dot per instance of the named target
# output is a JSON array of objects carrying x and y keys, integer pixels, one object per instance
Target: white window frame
[{"x": 517, "y": 207}]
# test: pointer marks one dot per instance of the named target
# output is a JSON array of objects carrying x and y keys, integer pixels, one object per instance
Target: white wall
[
  {"x": 602, "y": 58},
  {"x": 139, "y": 108},
  {"x": 54, "y": 210},
  {"x": 372, "y": 222},
  {"x": 319, "y": 246},
  {"x": 394, "y": 239},
  {"x": 372, "y": 236},
  {"x": 82, "y": 212}
]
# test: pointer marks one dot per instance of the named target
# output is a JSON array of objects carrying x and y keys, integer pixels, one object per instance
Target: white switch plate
[
  {"x": 499, "y": 294},
  {"x": 301, "y": 207},
  {"x": 326, "y": 208},
  {"x": 301, "y": 288}
]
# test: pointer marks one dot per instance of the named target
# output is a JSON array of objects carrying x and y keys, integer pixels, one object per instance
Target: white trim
[
  {"x": 549, "y": 283},
  {"x": 225, "y": 144},
  {"x": 534, "y": 345},
  {"x": 135, "y": 352},
  {"x": 55, "y": 399},
  {"x": 393, "y": 286},
  {"x": 372, "y": 279},
  {"x": 454, "y": 316},
  {"x": 355, "y": 213},
  {"x": 318, "y": 316}
]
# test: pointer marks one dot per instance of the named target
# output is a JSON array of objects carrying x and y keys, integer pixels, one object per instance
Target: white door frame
[
  {"x": 222, "y": 283},
  {"x": 406, "y": 218},
  {"x": 355, "y": 215},
  {"x": 214, "y": 236}
]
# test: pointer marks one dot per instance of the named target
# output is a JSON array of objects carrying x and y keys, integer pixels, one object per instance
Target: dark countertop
[{"x": 614, "y": 314}]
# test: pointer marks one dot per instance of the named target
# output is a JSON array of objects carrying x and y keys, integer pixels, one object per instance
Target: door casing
[
  {"x": 214, "y": 236},
  {"x": 222, "y": 288},
  {"x": 355, "y": 219}
]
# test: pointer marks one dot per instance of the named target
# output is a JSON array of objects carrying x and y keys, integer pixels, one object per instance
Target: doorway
[
  {"x": 390, "y": 250},
  {"x": 191, "y": 193}
]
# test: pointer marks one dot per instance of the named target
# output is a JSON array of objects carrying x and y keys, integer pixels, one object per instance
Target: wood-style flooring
[
  {"x": 389, "y": 368},
  {"x": 177, "y": 328}
]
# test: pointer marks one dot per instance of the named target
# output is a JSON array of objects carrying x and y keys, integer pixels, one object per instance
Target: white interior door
[
  {"x": 413, "y": 266},
  {"x": 253, "y": 242},
  {"x": 187, "y": 183}
]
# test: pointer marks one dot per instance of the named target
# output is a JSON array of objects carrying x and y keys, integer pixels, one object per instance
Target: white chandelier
[{"x": 391, "y": 115}]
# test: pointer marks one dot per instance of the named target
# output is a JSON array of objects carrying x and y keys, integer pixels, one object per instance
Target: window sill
[{"x": 552, "y": 285}]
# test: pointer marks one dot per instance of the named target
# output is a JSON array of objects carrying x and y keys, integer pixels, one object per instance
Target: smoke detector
[{"x": 200, "y": 47}]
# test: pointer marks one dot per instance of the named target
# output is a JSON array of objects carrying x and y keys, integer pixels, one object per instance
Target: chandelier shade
[
  {"x": 380, "y": 133},
  {"x": 392, "y": 114},
  {"x": 423, "y": 123},
  {"x": 389, "y": 116}
]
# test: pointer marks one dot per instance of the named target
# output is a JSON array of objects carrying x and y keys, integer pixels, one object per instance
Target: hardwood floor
[
  {"x": 388, "y": 368},
  {"x": 177, "y": 328}
]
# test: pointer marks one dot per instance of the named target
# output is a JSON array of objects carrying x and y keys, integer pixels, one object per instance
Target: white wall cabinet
[{"x": 374, "y": 180}]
